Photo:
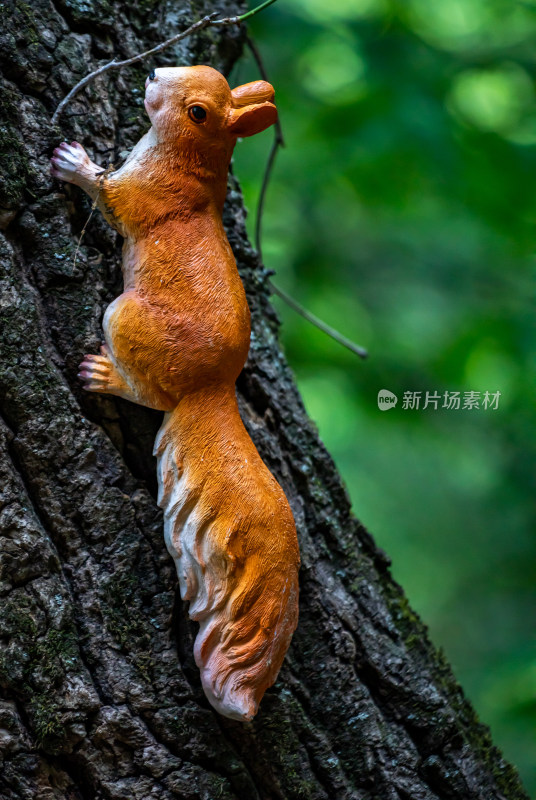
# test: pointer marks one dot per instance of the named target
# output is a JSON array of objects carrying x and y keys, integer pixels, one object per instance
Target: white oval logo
[{"x": 386, "y": 399}]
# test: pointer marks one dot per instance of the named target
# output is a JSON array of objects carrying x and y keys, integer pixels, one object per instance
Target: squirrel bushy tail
[{"x": 229, "y": 528}]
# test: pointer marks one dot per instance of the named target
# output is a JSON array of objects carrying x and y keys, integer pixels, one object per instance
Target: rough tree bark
[{"x": 100, "y": 695}]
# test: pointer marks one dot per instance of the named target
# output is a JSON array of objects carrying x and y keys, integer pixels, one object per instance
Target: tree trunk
[{"x": 100, "y": 694}]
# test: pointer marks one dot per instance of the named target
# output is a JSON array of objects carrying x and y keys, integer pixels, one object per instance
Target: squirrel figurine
[{"x": 176, "y": 340}]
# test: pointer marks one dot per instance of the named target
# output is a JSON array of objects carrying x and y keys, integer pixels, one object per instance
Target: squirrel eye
[
  {"x": 197, "y": 113},
  {"x": 152, "y": 75}
]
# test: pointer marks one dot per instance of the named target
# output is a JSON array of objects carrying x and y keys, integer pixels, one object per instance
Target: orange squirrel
[{"x": 176, "y": 340}]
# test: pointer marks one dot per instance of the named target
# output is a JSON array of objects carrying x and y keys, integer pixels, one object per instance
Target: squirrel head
[{"x": 196, "y": 105}]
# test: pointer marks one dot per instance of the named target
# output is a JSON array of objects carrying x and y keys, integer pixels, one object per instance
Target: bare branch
[
  {"x": 206, "y": 22},
  {"x": 277, "y": 143},
  {"x": 299, "y": 309},
  {"x": 320, "y": 324},
  {"x": 94, "y": 205}
]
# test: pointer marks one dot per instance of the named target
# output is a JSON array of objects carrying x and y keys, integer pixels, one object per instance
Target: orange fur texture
[{"x": 176, "y": 340}]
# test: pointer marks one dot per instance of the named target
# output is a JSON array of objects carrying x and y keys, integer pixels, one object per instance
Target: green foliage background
[{"x": 403, "y": 212}]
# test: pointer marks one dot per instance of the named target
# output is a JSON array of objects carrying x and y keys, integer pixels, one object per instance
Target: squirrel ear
[
  {"x": 253, "y": 109},
  {"x": 251, "y": 119},
  {"x": 250, "y": 93}
]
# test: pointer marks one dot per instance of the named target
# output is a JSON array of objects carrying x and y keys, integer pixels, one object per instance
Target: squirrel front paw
[{"x": 71, "y": 163}]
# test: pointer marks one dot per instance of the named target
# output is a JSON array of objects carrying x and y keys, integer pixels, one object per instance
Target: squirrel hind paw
[{"x": 100, "y": 375}]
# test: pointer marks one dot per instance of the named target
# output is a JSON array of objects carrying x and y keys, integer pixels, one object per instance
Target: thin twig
[
  {"x": 206, "y": 22},
  {"x": 318, "y": 323},
  {"x": 251, "y": 13},
  {"x": 88, "y": 220},
  {"x": 94, "y": 204},
  {"x": 276, "y": 144},
  {"x": 114, "y": 64},
  {"x": 299, "y": 309}
]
